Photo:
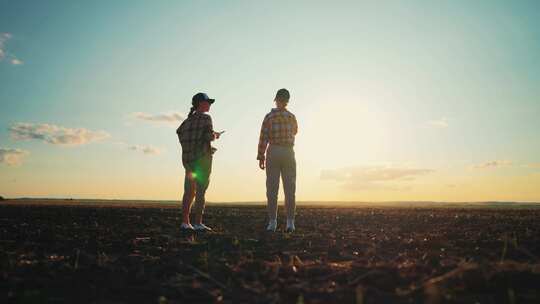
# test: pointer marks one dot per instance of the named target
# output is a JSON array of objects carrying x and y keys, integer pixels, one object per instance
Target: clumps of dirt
[{"x": 337, "y": 255}]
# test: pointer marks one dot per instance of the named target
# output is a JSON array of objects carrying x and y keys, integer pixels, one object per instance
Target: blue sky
[{"x": 379, "y": 88}]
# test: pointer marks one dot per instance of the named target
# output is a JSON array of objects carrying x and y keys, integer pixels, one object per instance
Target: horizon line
[{"x": 264, "y": 202}]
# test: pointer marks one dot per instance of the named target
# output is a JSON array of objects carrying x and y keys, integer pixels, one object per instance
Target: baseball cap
[
  {"x": 283, "y": 94},
  {"x": 199, "y": 97}
]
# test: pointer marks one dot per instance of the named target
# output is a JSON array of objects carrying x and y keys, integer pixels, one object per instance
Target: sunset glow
[{"x": 407, "y": 100}]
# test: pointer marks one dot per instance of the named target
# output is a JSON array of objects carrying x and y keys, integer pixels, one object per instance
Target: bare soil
[{"x": 90, "y": 254}]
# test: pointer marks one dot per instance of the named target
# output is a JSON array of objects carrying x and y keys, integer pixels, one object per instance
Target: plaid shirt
[
  {"x": 278, "y": 128},
  {"x": 195, "y": 134}
]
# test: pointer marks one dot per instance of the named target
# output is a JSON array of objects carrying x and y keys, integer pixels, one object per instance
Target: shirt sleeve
[
  {"x": 208, "y": 134},
  {"x": 295, "y": 126},
  {"x": 179, "y": 132},
  {"x": 263, "y": 138}
]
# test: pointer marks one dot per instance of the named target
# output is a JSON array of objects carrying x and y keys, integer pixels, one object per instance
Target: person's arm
[
  {"x": 295, "y": 125},
  {"x": 263, "y": 140},
  {"x": 209, "y": 134},
  {"x": 179, "y": 132}
]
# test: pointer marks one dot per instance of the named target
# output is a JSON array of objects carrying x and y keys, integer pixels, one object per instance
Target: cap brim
[{"x": 211, "y": 100}]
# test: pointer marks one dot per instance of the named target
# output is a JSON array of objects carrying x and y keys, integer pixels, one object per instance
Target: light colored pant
[
  {"x": 196, "y": 182},
  {"x": 280, "y": 161}
]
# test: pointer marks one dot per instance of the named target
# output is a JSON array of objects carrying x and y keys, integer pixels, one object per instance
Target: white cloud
[
  {"x": 56, "y": 135},
  {"x": 372, "y": 177},
  {"x": 493, "y": 164},
  {"x": 170, "y": 118},
  {"x": 149, "y": 150},
  {"x": 12, "y": 157},
  {"x": 438, "y": 123},
  {"x": 4, "y": 37},
  {"x": 16, "y": 61},
  {"x": 4, "y": 54}
]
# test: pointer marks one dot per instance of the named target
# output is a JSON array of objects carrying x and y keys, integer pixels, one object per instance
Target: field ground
[{"x": 87, "y": 254}]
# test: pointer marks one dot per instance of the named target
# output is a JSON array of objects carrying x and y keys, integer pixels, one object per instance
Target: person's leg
[
  {"x": 272, "y": 183},
  {"x": 189, "y": 193},
  {"x": 203, "y": 172},
  {"x": 289, "y": 186}
]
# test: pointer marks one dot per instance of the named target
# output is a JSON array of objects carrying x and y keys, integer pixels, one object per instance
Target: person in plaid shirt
[
  {"x": 278, "y": 130},
  {"x": 195, "y": 134}
]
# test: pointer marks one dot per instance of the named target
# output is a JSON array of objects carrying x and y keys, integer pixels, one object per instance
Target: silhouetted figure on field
[
  {"x": 195, "y": 134},
  {"x": 277, "y": 133}
]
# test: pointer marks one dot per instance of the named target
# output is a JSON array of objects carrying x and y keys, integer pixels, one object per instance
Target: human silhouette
[
  {"x": 195, "y": 134},
  {"x": 276, "y": 140}
]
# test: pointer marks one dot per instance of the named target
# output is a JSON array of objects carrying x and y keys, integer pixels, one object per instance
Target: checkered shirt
[
  {"x": 278, "y": 128},
  {"x": 195, "y": 134}
]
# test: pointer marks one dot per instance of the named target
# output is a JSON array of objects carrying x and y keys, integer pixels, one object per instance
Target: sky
[{"x": 395, "y": 100}]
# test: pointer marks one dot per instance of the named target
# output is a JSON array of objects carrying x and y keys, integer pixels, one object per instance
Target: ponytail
[{"x": 191, "y": 111}]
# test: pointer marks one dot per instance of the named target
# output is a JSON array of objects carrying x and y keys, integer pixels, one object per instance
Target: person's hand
[
  {"x": 218, "y": 134},
  {"x": 262, "y": 164}
]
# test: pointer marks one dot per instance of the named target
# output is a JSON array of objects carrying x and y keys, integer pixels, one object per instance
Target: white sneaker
[
  {"x": 290, "y": 226},
  {"x": 186, "y": 227},
  {"x": 272, "y": 225},
  {"x": 201, "y": 227}
]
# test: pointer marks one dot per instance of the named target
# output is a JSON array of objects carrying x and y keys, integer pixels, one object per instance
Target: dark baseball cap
[
  {"x": 283, "y": 94},
  {"x": 200, "y": 97}
]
